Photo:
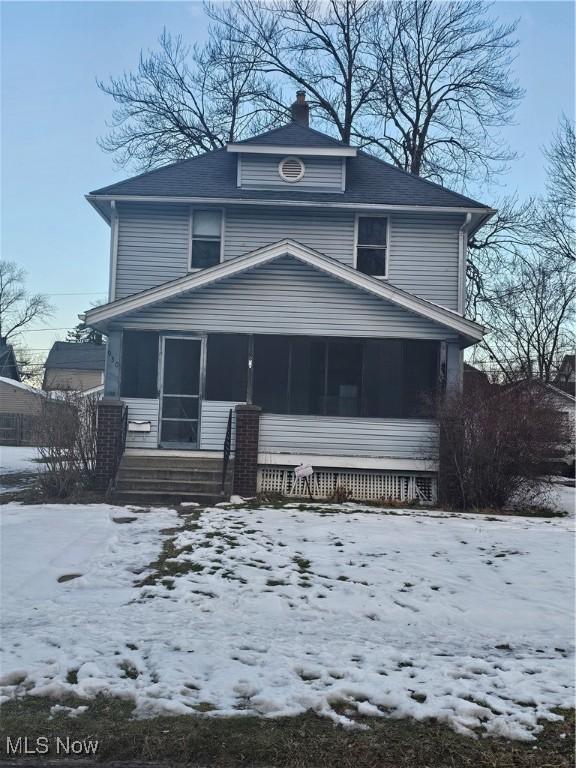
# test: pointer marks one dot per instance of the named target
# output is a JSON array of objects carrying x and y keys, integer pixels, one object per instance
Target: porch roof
[{"x": 470, "y": 331}]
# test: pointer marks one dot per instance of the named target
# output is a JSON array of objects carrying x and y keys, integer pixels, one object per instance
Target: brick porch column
[
  {"x": 109, "y": 426},
  {"x": 246, "y": 453}
]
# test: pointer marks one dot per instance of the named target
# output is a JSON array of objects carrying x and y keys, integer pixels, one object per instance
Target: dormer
[{"x": 293, "y": 158}]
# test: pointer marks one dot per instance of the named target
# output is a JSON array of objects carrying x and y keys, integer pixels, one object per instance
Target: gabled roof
[
  {"x": 552, "y": 389},
  {"x": 76, "y": 356},
  {"x": 213, "y": 177},
  {"x": 471, "y": 331}
]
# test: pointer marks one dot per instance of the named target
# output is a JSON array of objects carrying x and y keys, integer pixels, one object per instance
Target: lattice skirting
[{"x": 360, "y": 485}]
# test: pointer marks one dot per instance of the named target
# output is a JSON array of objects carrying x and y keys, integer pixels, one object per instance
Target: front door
[{"x": 180, "y": 392}]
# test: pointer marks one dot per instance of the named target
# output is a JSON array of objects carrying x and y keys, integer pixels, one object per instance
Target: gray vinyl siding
[
  {"x": 285, "y": 296},
  {"x": 213, "y": 424},
  {"x": 423, "y": 256},
  {"x": 331, "y": 436},
  {"x": 261, "y": 172},
  {"x": 329, "y": 232},
  {"x": 152, "y": 246},
  {"x": 141, "y": 409}
]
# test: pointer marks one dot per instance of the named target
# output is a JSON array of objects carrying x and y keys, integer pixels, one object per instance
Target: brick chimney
[{"x": 300, "y": 109}]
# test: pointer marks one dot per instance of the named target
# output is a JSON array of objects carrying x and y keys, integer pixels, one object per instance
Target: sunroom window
[
  {"x": 372, "y": 245},
  {"x": 206, "y": 238}
]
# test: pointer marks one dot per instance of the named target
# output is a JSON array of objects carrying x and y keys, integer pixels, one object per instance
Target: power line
[{"x": 86, "y": 293}]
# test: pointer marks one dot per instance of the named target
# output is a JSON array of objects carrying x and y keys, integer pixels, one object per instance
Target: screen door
[{"x": 180, "y": 392}]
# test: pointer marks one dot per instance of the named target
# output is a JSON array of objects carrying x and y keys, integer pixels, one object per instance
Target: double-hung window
[
  {"x": 206, "y": 238},
  {"x": 372, "y": 245}
]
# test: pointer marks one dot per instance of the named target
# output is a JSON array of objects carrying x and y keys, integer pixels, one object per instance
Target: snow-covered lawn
[
  {"x": 17, "y": 459},
  {"x": 278, "y": 611},
  {"x": 563, "y": 495}
]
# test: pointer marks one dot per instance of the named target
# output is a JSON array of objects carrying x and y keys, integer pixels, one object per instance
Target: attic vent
[{"x": 291, "y": 169}]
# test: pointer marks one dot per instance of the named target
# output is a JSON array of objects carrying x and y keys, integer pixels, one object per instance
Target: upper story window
[
  {"x": 372, "y": 245},
  {"x": 291, "y": 169},
  {"x": 206, "y": 239}
]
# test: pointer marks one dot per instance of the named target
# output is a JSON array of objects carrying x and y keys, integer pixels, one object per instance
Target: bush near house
[
  {"x": 493, "y": 445},
  {"x": 67, "y": 436}
]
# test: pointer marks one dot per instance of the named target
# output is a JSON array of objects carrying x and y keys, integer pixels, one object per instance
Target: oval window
[{"x": 291, "y": 169}]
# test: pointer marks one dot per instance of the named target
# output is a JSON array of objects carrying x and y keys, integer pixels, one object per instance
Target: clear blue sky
[{"x": 52, "y": 114}]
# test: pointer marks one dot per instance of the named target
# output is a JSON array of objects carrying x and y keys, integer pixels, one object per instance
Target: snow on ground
[
  {"x": 278, "y": 611},
  {"x": 17, "y": 459},
  {"x": 563, "y": 495}
]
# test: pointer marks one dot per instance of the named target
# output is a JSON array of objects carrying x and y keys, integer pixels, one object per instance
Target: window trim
[
  {"x": 370, "y": 215},
  {"x": 212, "y": 209}
]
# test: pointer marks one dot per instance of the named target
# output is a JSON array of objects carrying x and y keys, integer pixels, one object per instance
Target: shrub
[
  {"x": 67, "y": 436},
  {"x": 494, "y": 446}
]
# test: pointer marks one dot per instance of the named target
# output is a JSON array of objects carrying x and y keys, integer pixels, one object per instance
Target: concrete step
[
  {"x": 172, "y": 462},
  {"x": 131, "y": 472},
  {"x": 159, "y": 497},
  {"x": 168, "y": 486}
]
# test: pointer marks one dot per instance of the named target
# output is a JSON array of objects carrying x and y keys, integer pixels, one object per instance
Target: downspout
[
  {"x": 113, "y": 251},
  {"x": 462, "y": 254}
]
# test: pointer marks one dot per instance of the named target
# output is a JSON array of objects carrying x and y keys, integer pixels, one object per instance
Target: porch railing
[
  {"x": 227, "y": 450},
  {"x": 120, "y": 442}
]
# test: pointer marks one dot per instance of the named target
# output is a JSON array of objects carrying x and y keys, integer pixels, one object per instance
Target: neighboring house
[
  {"x": 475, "y": 380},
  {"x": 566, "y": 376},
  {"x": 74, "y": 366},
  {"x": 20, "y": 407},
  {"x": 565, "y": 404},
  {"x": 8, "y": 363},
  {"x": 298, "y": 274}
]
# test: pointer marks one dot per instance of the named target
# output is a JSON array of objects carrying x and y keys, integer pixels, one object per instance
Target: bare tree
[
  {"x": 529, "y": 312},
  {"x": 446, "y": 87},
  {"x": 322, "y": 47},
  {"x": 182, "y": 101},
  {"x": 18, "y": 308},
  {"x": 510, "y": 229},
  {"x": 424, "y": 84},
  {"x": 555, "y": 226}
]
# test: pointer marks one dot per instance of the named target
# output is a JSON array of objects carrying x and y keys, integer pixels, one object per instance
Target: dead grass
[{"x": 306, "y": 741}]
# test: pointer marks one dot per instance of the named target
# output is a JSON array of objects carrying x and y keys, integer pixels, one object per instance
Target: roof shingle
[
  {"x": 369, "y": 180},
  {"x": 78, "y": 357}
]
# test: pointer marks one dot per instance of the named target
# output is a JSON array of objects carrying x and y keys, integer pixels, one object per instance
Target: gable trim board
[
  {"x": 271, "y": 149},
  {"x": 471, "y": 331}
]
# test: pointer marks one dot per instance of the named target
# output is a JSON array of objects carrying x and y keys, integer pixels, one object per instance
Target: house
[
  {"x": 20, "y": 407},
  {"x": 475, "y": 381},
  {"x": 8, "y": 363},
  {"x": 566, "y": 376},
  {"x": 307, "y": 286},
  {"x": 564, "y": 403},
  {"x": 74, "y": 366}
]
